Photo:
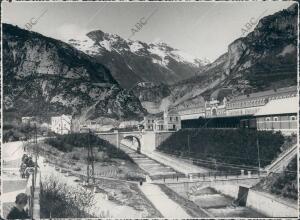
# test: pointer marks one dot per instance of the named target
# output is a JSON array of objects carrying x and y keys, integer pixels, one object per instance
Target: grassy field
[
  {"x": 112, "y": 167},
  {"x": 69, "y": 142},
  {"x": 225, "y": 149}
]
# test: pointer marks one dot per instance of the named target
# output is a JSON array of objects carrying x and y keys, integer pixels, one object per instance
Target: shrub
[
  {"x": 61, "y": 201},
  {"x": 75, "y": 157},
  {"x": 13, "y": 131},
  {"x": 76, "y": 168},
  {"x": 67, "y": 142},
  {"x": 131, "y": 176},
  {"x": 285, "y": 183}
]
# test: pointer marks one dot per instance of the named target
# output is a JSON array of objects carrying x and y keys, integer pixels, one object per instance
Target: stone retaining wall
[{"x": 266, "y": 204}]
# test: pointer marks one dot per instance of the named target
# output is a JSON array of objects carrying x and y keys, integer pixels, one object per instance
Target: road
[
  {"x": 281, "y": 162},
  {"x": 13, "y": 184}
]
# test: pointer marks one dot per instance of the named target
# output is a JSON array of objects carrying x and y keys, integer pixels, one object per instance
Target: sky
[{"x": 202, "y": 29}]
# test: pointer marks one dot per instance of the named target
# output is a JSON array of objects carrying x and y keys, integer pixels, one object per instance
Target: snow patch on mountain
[
  {"x": 183, "y": 57},
  {"x": 162, "y": 62},
  {"x": 135, "y": 46},
  {"x": 106, "y": 44},
  {"x": 85, "y": 44},
  {"x": 159, "y": 51}
]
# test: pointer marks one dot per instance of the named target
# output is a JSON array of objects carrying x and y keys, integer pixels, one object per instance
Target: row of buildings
[
  {"x": 64, "y": 124},
  {"x": 268, "y": 110},
  {"x": 271, "y": 110},
  {"x": 170, "y": 121}
]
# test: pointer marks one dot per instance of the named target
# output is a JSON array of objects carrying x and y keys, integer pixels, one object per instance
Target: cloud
[
  {"x": 66, "y": 32},
  {"x": 156, "y": 40}
]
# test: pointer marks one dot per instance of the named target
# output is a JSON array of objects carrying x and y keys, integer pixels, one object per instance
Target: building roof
[
  {"x": 151, "y": 117},
  {"x": 267, "y": 93},
  {"x": 191, "y": 116},
  {"x": 159, "y": 121},
  {"x": 280, "y": 106},
  {"x": 172, "y": 112}
]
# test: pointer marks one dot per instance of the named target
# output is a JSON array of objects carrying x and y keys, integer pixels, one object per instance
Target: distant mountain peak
[
  {"x": 114, "y": 42},
  {"x": 155, "y": 62},
  {"x": 98, "y": 35}
]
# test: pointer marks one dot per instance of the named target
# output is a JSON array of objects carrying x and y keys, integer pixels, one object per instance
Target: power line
[
  {"x": 213, "y": 163},
  {"x": 213, "y": 155}
]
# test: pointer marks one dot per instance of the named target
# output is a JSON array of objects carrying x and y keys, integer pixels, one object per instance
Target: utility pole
[
  {"x": 61, "y": 126},
  {"x": 189, "y": 145},
  {"x": 90, "y": 161},
  {"x": 36, "y": 150}
]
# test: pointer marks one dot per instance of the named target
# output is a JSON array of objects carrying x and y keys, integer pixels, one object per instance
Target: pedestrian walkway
[
  {"x": 12, "y": 183},
  {"x": 10, "y": 197},
  {"x": 281, "y": 162},
  {"x": 167, "y": 207},
  {"x": 176, "y": 163},
  {"x": 12, "y": 150},
  {"x": 154, "y": 169}
]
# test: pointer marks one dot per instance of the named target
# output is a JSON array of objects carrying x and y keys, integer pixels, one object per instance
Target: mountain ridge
[
  {"x": 154, "y": 62},
  {"x": 65, "y": 80},
  {"x": 264, "y": 59}
]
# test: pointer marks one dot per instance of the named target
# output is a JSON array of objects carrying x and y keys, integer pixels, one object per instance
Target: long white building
[
  {"x": 235, "y": 106},
  {"x": 61, "y": 124}
]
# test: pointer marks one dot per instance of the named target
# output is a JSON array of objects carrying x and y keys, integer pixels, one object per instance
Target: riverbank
[{"x": 115, "y": 197}]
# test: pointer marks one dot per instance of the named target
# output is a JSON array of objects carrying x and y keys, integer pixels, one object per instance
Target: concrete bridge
[
  {"x": 190, "y": 187},
  {"x": 147, "y": 141}
]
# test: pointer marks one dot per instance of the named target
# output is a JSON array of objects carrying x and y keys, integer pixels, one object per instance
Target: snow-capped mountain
[{"x": 139, "y": 61}]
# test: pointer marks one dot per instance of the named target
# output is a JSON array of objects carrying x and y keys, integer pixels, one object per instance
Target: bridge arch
[
  {"x": 116, "y": 138},
  {"x": 153, "y": 139},
  {"x": 135, "y": 140}
]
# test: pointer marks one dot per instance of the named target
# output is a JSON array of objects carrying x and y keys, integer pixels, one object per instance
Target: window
[
  {"x": 148, "y": 121},
  {"x": 275, "y": 118},
  {"x": 293, "y": 118},
  {"x": 153, "y": 121},
  {"x": 267, "y": 118},
  {"x": 176, "y": 118},
  {"x": 170, "y": 118}
]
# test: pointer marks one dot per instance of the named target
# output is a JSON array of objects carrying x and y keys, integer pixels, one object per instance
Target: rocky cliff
[
  {"x": 44, "y": 77},
  {"x": 266, "y": 58}
]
